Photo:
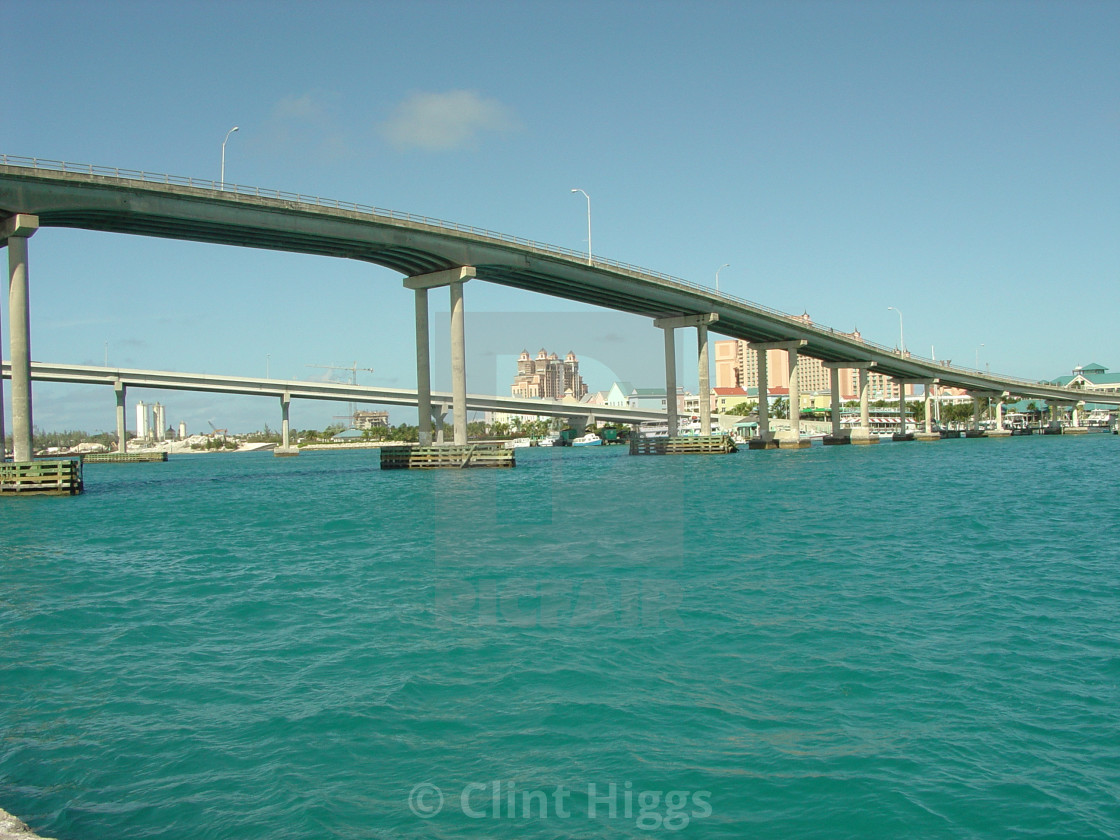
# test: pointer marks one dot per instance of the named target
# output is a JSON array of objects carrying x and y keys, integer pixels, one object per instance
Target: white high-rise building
[{"x": 143, "y": 424}]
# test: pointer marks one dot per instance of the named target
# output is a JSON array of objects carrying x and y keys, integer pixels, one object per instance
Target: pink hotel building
[{"x": 737, "y": 366}]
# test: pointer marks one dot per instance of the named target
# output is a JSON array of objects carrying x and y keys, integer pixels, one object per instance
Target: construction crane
[
  {"x": 218, "y": 431},
  {"x": 352, "y": 407}
]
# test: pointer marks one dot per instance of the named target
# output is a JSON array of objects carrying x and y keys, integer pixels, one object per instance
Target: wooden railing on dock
[
  {"x": 446, "y": 457},
  {"x": 57, "y": 478},
  {"x": 693, "y": 445}
]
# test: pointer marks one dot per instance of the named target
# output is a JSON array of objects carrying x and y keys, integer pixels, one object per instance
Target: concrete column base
[
  {"x": 927, "y": 437},
  {"x": 793, "y": 442},
  {"x": 1075, "y": 430},
  {"x": 837, "y": 440},
  {"x": 975, "y": 433},
  {"x": 285, "y": 451},
  {"x": 863, "y": 437},
  {"x": 759, "y": 443},
  {"x": 900, "y": 436},
  {"x": 998, "y": 433}
]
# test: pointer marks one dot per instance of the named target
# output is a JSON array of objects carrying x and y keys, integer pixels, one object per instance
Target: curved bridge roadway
[{"x": 125, "y": 201}]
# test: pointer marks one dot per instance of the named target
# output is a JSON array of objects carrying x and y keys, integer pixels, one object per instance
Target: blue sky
[{"x": 959, "y": 161}]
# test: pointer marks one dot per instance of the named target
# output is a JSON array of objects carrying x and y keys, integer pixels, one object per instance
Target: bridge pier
[
  {"x": 286, "y": 449},
  {"x": 927, "y": 434},
  {"x": 454, "y": 278},
  {"x": 703, "y": 368},
  {"x": 670, "y": 379},
  {"x": 705, "y": 378},
  {"x": 862, "y": 433},
  {"x": 792, "y": 438},
  {"x": 122, "y": 431},
  {"x": 423, "y": 369},
  {"x": 999, "y": 431},
  {"x": 765, "y": 439},
  {"x": 15, "y": 232},
  {"x": 976, "y": 431},
  {"x": 838, "y": 435}
]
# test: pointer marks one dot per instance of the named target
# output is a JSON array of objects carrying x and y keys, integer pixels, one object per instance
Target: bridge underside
[{"x": 413, "y": 246}]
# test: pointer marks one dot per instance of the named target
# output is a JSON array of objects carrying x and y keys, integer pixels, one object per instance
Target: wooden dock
[
  {"x": 124, "y": 457},
  {"x": 55, "y": 478},
  {"x": 473, "y": 455},
  {"x": 693, "y": 445}
]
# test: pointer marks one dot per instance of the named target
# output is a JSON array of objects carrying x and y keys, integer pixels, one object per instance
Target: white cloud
[
  {"x": 443, "y": 121},
  {"x": 305, "y": 125},
  {"x": 306, "y": 107}
]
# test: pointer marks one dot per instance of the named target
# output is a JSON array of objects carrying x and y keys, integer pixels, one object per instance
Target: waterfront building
[
  {"x": 737, "y": 367},
  {"x": 547, "y": 377},
  {"x": 727, "y": 398},
  {"x": 370, "y": 420},
  {"x": 1091, "y": 377}
]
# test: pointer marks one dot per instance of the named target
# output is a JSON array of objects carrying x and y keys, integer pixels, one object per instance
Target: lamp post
[
  {"x": 585, "y": 195},
  {"x": 978, "y": 356},
  {"x": 228, "y": 133},
  {"x": 267, "y": 365},
  {"x": 718, "y": 270},
  {"x": 901, "y": 342}
]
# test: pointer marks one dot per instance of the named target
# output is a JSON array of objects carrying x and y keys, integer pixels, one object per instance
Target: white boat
[
  {"x": 551, "y": 440},
  {"x": 518, "y": 443},
  {"x": 589, "y": 439}
]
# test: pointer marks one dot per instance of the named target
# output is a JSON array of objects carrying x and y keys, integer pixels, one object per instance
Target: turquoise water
[{"x": 908, "y": 640}]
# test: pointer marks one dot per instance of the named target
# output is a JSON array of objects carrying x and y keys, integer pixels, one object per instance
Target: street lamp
[
  {"x": 228, "y": 133},
  {"x": 718, "y": 270},
  {"x": 978, "y": 356},
  {"x": 585, "y": 195},
  {"x": 267, "y": 365},
  {"x": 901, "y": 343}
]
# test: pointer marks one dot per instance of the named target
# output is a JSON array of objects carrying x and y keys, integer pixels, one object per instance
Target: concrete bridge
[
  {"x": 430, "y": 253},
  {"x": 121, "y": 379}
]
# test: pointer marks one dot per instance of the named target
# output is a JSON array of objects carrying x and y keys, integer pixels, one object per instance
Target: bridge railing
[{"x": 441, "y": 224}]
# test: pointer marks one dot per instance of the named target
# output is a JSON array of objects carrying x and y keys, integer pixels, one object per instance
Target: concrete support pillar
[
  {"x": 834, "y": 382},
  {"x": 701, "y": 323},
  {"x": 838, "y": 434},
  {"x": 122, "y": 432},
  {"x": 671, "y": 379},
  {"x": 999, "y": 414},
  {"x": 16, "y": 230},
  {"x": 791, "y": 438},
  {"x": 458, "y": 364},
  {"x": 976, "y": 412},
  {"x": 902, "y": 408},
  {"x": 440, "y": 418},
  {"x": 764, "y": 433},
  {"x": 704, "y": 373},
  {"x": 423, "y": 369},
  {"x": 928, "y": 409},
  {"x": 794, "y": 397},
  {"x": 285, "y": 404},
  {"x": 861, "y": 434},
  {"x": 1075, "y": 416},
  {"x": 3, "y": 434},
  {"x": 454, "y": 278},
  {"x": 864, "y": 400}
]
